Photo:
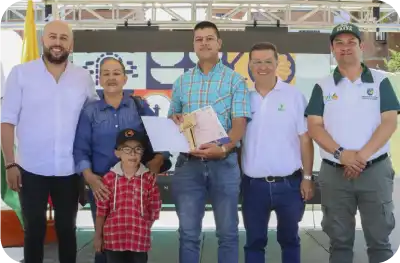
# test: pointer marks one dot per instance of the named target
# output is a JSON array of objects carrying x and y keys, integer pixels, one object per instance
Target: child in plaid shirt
[{"x": 124, "y": 220}]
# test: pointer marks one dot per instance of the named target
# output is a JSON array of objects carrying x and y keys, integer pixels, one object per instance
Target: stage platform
[
  {"x": 315, "y": 244},
  {"x": 165, "y": 247}
]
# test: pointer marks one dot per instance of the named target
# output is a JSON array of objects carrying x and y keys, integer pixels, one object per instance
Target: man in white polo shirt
[
  {"x": 277, "y": 160},
  {"x": 43, "y": 100},
  {"x": 351, "y": 115}
]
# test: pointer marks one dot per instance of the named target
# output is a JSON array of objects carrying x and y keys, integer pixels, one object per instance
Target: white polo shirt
[
  {"x": 271, "y": 145},
  {"x": 352, "y": 110},
  {"x": 46, "y": 114}
]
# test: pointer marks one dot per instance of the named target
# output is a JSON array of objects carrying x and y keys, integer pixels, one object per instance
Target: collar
[
  {"x": 217, "y": 68},
  {"x": 366, "y": 75},
  {"x": 278, "y": 85},
  {"x": 117, "y": 169},
  {"x": 124, "y": 102}
]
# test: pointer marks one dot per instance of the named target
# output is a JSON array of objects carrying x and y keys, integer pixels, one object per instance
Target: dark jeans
[
  {"x": 259, "y": 199},
  {"x": 99, "y": 257},
  {"x": 64, "y": 192},
  {"x": 126, "y": 257}
]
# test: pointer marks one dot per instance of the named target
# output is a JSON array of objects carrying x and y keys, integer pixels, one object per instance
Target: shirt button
[
  {"x": 116, "y": 126},
  {"x": 115, "y": 115}
]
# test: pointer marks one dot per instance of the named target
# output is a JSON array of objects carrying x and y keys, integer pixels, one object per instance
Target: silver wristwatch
[{"x": 307, "y": 177}]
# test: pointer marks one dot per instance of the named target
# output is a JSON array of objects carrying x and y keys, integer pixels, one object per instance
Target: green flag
[{"x": 9, "y": 197}]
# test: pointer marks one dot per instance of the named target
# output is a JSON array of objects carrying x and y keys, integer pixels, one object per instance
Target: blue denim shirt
[{"x": 97, "y": 130}]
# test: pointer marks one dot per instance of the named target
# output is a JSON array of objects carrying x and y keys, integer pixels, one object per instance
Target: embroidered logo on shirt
[
  {"x": 332, "y": 96},
  {"x": 370, "y": 95},
  {"x": 281, "y": 107}
]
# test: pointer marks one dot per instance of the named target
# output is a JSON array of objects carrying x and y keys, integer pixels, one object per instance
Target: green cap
[{"x": 346, "y": 28}]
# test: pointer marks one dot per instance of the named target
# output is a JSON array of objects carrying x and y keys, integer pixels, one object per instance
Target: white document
[{"x": 164, "y": 135}]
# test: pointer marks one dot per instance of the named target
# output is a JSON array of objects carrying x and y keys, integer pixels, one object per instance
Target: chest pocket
[{"x": 101, "y": 120}]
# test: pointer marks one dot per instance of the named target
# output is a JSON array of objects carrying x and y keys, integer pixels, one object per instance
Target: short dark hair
[
  {"x": 206, "y": 24},
  {"x": 264, "y": 46},
  {"x": 104, "y": 60}
]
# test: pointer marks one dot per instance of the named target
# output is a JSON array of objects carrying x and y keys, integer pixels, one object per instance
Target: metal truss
[{"x": 227, "y": 14}]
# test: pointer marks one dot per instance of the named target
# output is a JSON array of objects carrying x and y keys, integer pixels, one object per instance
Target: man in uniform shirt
[
  {"x": 43, "y": 100},
  {"x": 276, "y": 147},
  {"x": 213, "y": 169},
  {"x": 351, "y": 115}
]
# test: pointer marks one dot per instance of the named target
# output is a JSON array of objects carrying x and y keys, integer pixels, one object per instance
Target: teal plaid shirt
[{"x": 224, "y": 89}]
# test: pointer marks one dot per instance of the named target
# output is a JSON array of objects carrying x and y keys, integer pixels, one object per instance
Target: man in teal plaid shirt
[{"x": 212, "y": 170}]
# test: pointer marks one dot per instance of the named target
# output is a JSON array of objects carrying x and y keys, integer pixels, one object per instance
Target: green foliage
[{"x": 393, "y": 64}]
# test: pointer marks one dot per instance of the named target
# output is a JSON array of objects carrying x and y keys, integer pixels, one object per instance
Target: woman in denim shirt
[{"x": 98, "y": 126}]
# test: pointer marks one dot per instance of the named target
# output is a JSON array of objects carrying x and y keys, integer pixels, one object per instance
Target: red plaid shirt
[{"x": 133, "y": 206}]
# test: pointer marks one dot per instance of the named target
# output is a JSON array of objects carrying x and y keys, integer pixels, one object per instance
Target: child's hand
[{"x": 98, "y": 243}]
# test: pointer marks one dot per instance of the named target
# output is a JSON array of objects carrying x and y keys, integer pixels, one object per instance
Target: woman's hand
[
  {"x": 98, "y": 243},
  {"x": 100, "y": 191}
]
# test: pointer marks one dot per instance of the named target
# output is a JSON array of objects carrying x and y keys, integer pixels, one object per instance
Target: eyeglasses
[{"x": 130, "y": 150}]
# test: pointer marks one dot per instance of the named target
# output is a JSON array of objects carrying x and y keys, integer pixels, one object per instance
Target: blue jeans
[
  {"x": 195, "y": 180},
  {"x": 259, "y": 199},
  {"x": 99, "y": 257}
]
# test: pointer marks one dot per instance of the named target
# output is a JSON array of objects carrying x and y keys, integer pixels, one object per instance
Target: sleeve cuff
[
  {"x": 83, "y": 165},
  {"x": 9, "y": 120}
]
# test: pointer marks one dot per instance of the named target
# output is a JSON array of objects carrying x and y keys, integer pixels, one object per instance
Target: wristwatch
[
  {"x": 338, "y": 153},
  {"x": 307, "y": 177}
]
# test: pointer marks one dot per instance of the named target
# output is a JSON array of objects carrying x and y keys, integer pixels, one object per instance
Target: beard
[{"x": 55, "y": 59}]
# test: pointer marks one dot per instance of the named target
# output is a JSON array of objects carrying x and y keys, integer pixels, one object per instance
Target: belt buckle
[{"x": 269, "y": 180}]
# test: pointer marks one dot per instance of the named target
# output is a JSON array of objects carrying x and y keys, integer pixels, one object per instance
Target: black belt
[
  {"x": 369, "y": 163},
  {"x": 274, "y": 179}
]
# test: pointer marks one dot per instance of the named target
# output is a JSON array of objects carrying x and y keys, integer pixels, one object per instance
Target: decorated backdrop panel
[{"x": 151, "y": 74}]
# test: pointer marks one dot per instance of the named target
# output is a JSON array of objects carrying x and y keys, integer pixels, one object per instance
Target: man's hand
[
  {"x": 177, "y": 118},
  {"x": 100, "y": 191},
  {"x": 155, "y": 164},
  {"x": 209, "y": 151},
  {"x": 352, "y": 173},
  {"x": 13, "y": 177},
  {"x": 350, "y": 160},
  {"x": 307, "y": 189}
]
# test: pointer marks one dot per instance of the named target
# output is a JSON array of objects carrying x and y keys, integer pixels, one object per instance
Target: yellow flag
[{"x": 30, "y": 49}]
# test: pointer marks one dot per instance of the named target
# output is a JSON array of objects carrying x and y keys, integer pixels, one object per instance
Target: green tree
[{"x": 393, "y": 64}]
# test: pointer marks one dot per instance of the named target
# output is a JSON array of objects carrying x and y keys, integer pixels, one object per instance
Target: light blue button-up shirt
[
  {"x": 222, "y": 88},
  {"x": 46, "y": 113}
]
